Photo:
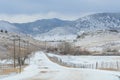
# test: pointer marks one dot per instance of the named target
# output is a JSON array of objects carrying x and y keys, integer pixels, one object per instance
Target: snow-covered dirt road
[{"x": 41, "y": 68}]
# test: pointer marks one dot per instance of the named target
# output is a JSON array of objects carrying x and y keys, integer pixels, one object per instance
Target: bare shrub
[
  {"x": 21, "y": 54},
  {"x": 65, "y": 48},
  {"x": 68, "y": 48},
  {"x": 50, "y": 49},
  {"x": 110, "y": 51},
  {"x": 81, "y": 52}
]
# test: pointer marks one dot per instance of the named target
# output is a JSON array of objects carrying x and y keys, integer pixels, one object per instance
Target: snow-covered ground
[
  {"x": 98, "y": 40},
  {"x": 6, "y": 62},
  {"x": 56, "y": 37},
  {"x": 109, "y": 62},
  {"x": 41, "y": 68},
  {"x": 85, "y": 59}
]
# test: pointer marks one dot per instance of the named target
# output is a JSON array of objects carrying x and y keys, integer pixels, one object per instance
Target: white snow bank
[
  {"x": 29, "y": 71},
  {"x": 6, "y": 61},
  {"x": 85, "y": 59}
]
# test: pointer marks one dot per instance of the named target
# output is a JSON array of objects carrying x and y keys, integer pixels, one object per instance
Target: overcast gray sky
[{"x": 29, "y": 10}]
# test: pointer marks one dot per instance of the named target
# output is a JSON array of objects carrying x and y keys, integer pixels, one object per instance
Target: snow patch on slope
[{"x": 4, "y": 25}]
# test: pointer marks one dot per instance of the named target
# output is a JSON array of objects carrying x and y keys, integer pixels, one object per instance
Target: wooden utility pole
[
  {"x": 14, "y": 50},
  {"x": 19, "y": 54},
  {"x": 45, "y": 45},
  {"x": 27, "y": 47},
  {"x": 24, "y": 46},
  {"x": 28, "y": 52},
  {"x": 14, "y": 53},
  {"x": 117, "y": 63}
]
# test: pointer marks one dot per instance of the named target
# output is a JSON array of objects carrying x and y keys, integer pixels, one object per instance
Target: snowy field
[
  {"x": 56, "y": 37},
  {"x": 41, "y": 68},
  {"x": 94, "y": 62}
]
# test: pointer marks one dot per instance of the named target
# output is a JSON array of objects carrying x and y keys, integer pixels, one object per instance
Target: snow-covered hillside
[
  {"x": 53, "y": 27},
  {"x": 56, "y": 37},
  {"x": 7, "y": 42},
  {"x": 43, "y": 26},
  {"x": 4, "y": 25},
  {"x": 99, "y": 21},
  {"x": 99, "y": 40}
]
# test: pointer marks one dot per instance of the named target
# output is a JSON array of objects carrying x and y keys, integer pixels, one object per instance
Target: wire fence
[{"x": 104, "y": 65}]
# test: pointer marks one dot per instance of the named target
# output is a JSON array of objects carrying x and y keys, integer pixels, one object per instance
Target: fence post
[
  {"x": 96, "y": 65},
  {"x": 117, "y": 65}
]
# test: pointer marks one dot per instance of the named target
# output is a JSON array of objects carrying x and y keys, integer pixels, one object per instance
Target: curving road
[{"x": 41, "y": 68}]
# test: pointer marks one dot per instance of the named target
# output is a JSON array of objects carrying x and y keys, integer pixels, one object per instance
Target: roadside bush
[
  {"x": 111, "y": 51},
  {"x": 67, "y": 48}
]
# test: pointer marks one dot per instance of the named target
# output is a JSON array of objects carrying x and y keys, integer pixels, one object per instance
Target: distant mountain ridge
[
  {"x": 4, "y": 25},
  {"x": 42, "y": 26},
  {"x": 98, "y": 21}
]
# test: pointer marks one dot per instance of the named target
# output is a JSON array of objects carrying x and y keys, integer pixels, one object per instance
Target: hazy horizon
[{"x": 30, "y": 10}]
